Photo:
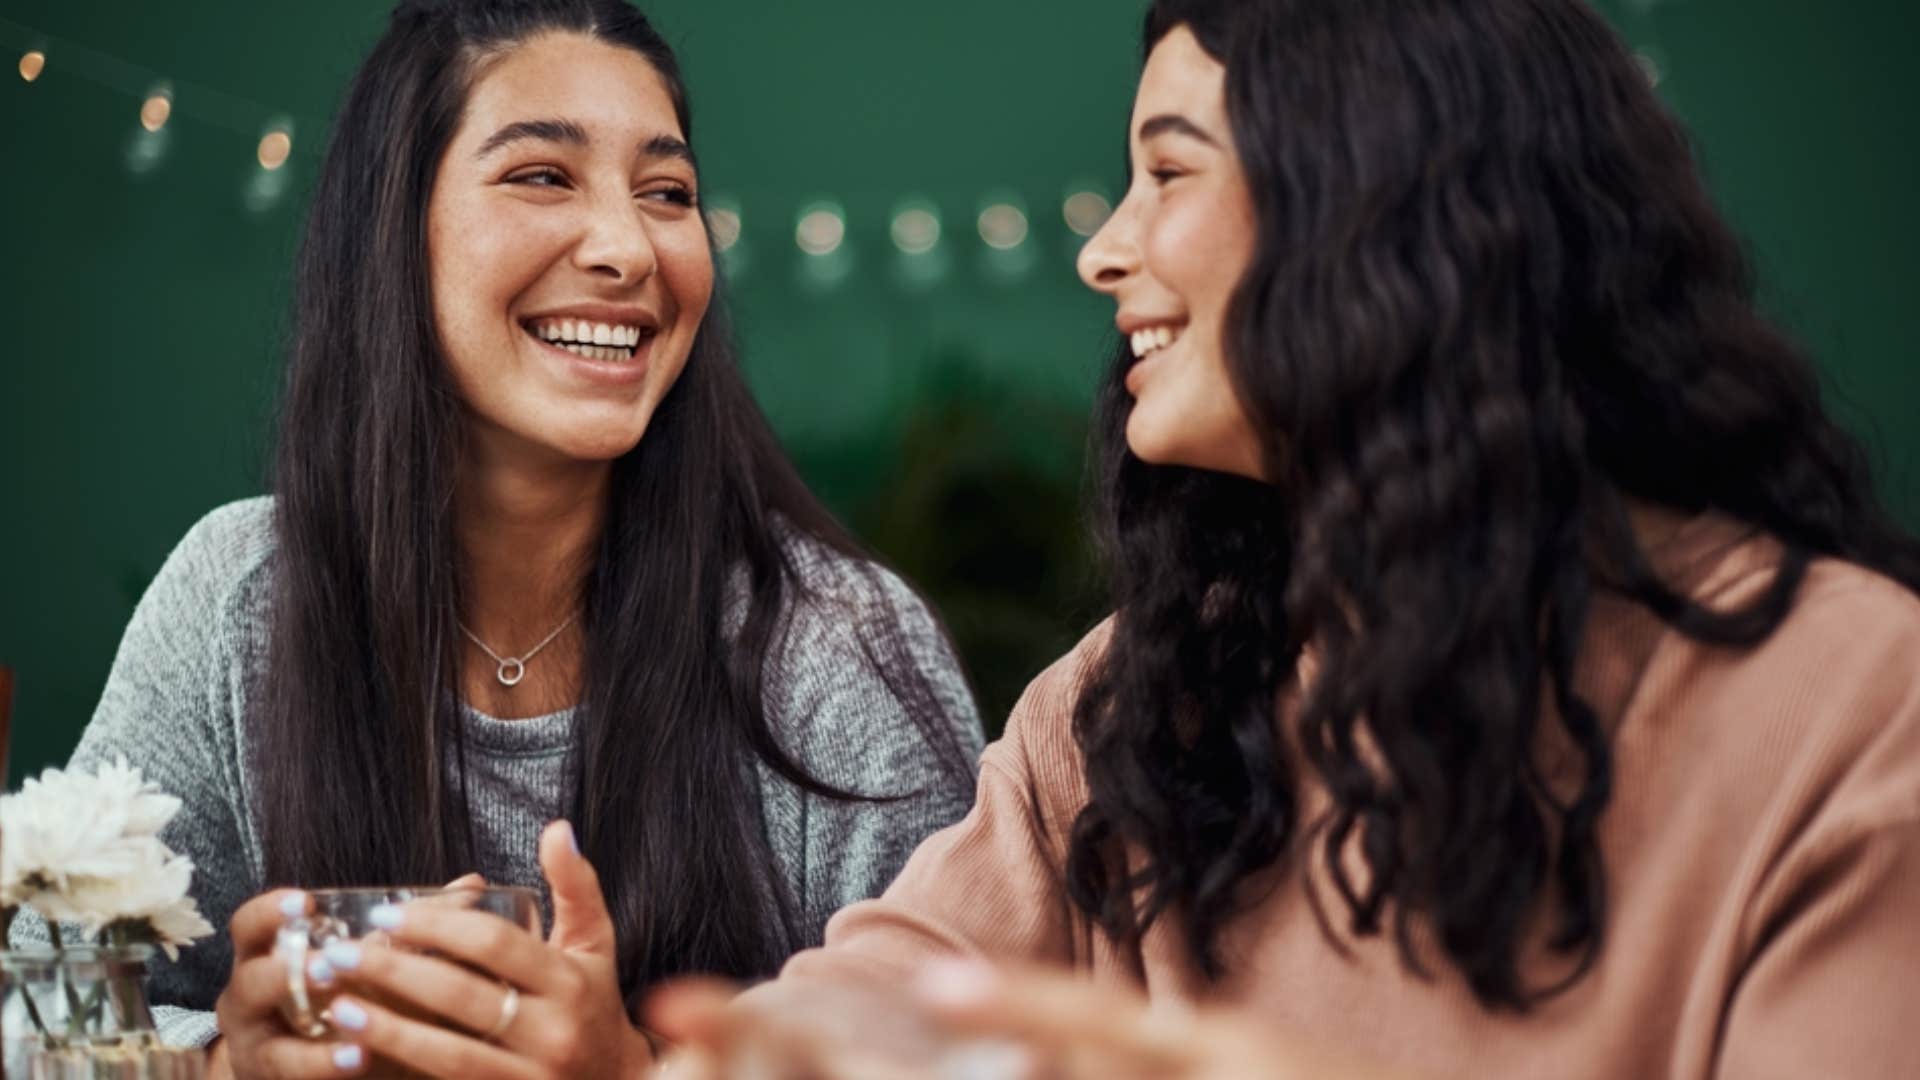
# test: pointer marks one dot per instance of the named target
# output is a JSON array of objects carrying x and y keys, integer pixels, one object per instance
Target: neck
[{"x": 527, "y": 531}]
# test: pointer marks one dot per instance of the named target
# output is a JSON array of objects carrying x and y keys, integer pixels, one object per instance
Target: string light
[
  {"x": 1086, "y": 212},
  {"x": 920, "y": 242},
  {"x": 822, "y": 229},
  {"x": 916, "y": 228},
  {"x": 725, "y": 223},
  {"x": 275, "y": 147},
  {"x": 1650, "y": 65},
  {"x": 1003, "y": 226},
  {"x": 156, "y": 109}
]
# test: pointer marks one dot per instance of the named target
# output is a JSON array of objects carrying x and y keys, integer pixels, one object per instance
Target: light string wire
[{"x": 202, "y": 103}]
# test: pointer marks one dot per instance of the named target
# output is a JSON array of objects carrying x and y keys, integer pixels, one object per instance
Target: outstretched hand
[{"x": 973, "y": 1019}]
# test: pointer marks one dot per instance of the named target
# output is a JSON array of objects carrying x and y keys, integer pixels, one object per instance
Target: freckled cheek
[
  {"x": 480, "y": 269},
  {"x": 686, "y": 268}
]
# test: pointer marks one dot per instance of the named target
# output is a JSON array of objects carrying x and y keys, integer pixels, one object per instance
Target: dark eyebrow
[
  {"x": 667, "y": 146},
  {"x": 1169, "y": 124},
  {"x": 560, "y": 131}
]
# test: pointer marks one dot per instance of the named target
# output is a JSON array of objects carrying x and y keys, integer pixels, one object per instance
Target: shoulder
[
  {"x": 222, "y": 565},
  {"x": 1847, "y": 645},
  {"x": 840, "y": 604},
  {"x": 195, "y": 642},
  {"x": 1810, "y": 741},
  {"x": 1038, "y": 749},
  {"x": 1846, "y": 659},
  {"x": 859, "y": 659},
  {"x": 1817, "y": 725},
  {"x": 835, "y": 584},
  {"x": 1045, "y": 709}
]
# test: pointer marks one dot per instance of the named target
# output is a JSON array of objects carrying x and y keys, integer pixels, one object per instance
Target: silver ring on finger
[{"x": 509, "y": 1010}]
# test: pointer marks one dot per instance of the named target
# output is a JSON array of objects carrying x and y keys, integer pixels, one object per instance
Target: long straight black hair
[
  {"x": 362, "y": 718},
  {"x": 1490, "y": 302}
]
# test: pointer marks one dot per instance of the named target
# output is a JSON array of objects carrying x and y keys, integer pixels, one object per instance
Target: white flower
[
  {"x": 50, "y": 837},
  {"x": 147, "y": 809},
  {"x": 85, "y": 848},
  {"x": 150, "y": 903},
  {"x": 178, "y": 924}
]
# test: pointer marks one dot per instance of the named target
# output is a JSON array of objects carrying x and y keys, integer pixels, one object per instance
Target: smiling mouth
[
  {"x": 1151, "y": 340},
  {"x": 611, "y": 343}
]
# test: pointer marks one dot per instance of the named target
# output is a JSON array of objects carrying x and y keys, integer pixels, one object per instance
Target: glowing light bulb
[
  {"x": 155, "y": 110},
  {"x": 1003, "y": 226},
  {"x": 275, "y": 148},
  {"x": 1650, "y": 66},
  {"x": 1086, "y": 211},
  {"x": 725, "y": 223},
  {"x": 821, "y": 231},
  {"x": 916, "y": 230}
]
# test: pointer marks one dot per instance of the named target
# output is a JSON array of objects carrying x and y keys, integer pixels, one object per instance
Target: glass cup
[{"x": 345, "y": 915}]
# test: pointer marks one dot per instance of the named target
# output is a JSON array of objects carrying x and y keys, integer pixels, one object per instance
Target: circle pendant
[{"x": 511, "y": 671}]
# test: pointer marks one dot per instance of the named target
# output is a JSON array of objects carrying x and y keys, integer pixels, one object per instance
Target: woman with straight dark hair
[
  {"x": 1512, "y": 670},
  {"x": 532, "y": 553}
]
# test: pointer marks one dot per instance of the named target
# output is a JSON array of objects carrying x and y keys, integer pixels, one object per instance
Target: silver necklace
[{"x": 514, "y": 668}]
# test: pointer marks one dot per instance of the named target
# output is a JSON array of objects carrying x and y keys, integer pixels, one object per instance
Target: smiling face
[
  {"x": 569, "y": 264},
  {"x": 1171, "y": 257}
]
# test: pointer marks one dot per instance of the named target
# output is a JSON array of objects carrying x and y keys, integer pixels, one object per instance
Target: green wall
[{"x": 144, "y": 311}]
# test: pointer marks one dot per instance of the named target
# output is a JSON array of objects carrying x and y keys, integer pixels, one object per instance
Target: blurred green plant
[{"x": 981, "y": 508}]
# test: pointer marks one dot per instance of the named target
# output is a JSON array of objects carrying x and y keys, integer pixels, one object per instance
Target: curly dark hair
[{"x": 1491, "y": 302}]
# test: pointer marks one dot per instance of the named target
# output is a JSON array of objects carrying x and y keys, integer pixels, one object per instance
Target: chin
[
  {"x": 601, "y": 435},
  {"x": 1157, "y": 445},
  {"x": 596, "y": 445},
  {"x": 602, "y": 449},
  {"x": 1150, "y": 444}
]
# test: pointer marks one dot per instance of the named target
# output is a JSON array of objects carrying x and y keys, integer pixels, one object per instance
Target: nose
[
  {"x": 1113, "y": 255},
  {"x": 616, "y": 246}
]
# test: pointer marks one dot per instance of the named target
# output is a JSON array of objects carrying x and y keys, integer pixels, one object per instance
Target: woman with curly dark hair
[{"x": 1512, "y": 670}]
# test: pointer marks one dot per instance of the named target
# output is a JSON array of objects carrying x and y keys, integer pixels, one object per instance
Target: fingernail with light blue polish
[
  {"x": 293, "y": 905},
  {"x": 350, "y": 1016},
  {"x": 385, "y": 917},
  {"x": 343, "y": 955},
  {"x": 319, "y": 972},
  {"x": 347, "y": 1058}
]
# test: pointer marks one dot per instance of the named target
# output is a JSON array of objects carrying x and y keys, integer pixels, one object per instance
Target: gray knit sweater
[{"x": 189, "y": 670}]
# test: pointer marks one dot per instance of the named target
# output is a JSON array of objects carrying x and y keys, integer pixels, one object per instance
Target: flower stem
[
  {"x": 76, "y": 1012},
  {"x": 33, "y": 1012}
]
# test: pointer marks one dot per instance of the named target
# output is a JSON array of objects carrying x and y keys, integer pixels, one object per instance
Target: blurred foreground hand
[{"x": 963, "y": 1020}]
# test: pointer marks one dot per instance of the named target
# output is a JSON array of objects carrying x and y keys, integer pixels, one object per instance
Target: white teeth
[
  {"x": 1152, "y": 340},
  {"x": 566, "y": 332},
  {"x": 611, "y": 354}
]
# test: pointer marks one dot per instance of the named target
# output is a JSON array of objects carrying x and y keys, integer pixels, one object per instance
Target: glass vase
[{"x": 81, "y": 1012}]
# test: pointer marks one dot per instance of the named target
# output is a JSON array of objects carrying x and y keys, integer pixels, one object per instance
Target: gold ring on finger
[{"x": 509, "y": 1009}]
